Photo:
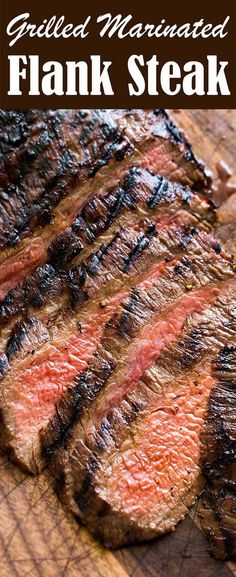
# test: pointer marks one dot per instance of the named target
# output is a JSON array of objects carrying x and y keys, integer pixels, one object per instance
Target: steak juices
[{"x": 110, "y": 339}]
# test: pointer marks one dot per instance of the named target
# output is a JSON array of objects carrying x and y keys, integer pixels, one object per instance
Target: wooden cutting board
[{"x": 38, "y": 538}]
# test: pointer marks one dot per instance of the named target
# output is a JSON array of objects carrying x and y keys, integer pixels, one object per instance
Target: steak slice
[
  {"x": 131, "y": 465},
  {"x": 69, "y": 154},
  {"x": 38, "y": 378},
  {"x": 43, "y": 153},
  {"x": 154, "y": 296},
  {"x": 139, "y": 195},
  {"x": 155, "y": 207},
  {"x": 218, "y": 506},
  {"x": 120, "y": 263}
]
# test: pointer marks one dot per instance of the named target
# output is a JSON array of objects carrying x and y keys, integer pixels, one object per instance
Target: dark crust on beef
[
  {"x": 112, "y": 527},
  {"x": 170, "y": 130},
  {"x": 45, "y": 153},
  {"x": 203, "y": 265},
  {"x": 36, "y": 290},
  {"x": 44, "y": 285},
  {"x": 135, "y": 313},
  {"x": 101, "y": 277},
  {"x": 218, "y": 506},
  {"x": 81, "y": 280},
  {"x": 185, "y": 240},
  {"x": 139, "y": 190},
  {"x": 99, "y": 213},
  {"x": 24, "y": 334}
]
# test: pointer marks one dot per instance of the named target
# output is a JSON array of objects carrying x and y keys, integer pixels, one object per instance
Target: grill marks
[
  {"x": 73, "y": 143},
  {"x": 128, "y": 255},
  {"x": 14, "y": 270},
  {"x": 55, "y": 148},
  {"x": 218, "y": 506},
  {"x": 119, "y": 225},
  {"x": 55, "y": 365},
  {"x": 139, "y": 192},
  {"x": 46, "y": 155},
  {"x": 44, "y": 284},
  {"x": 97, "y": 216},
  {"x": 156, "y": 295},
  {"x": 38, "y": 378},
  {"x": 112, "y": 348},
  {"x": 132, "y": 468},
  {"x": 48, "y": 292}
]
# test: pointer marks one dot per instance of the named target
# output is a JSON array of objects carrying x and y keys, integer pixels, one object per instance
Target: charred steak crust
[
  {"x": 33, "y": 383},
  {"x": 139, "y": 188},
  {"x": 149, "y": 202},
  {"x": 47, "y": 193},
  {"x": 91, "y": 452},
  {"x": 118, "y": 321},
  {"x": 170, "y": 131},
  {"x": 218, "y": 505},
  {"x": 136, "y": 312},
  {"x": 44, "y": 153}
]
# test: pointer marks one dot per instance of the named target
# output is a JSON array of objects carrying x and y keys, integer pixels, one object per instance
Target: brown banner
[{"x": 126, "y": 54}]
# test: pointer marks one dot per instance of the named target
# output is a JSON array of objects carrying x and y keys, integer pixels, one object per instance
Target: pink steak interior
[{"x": 157, "y": 466}]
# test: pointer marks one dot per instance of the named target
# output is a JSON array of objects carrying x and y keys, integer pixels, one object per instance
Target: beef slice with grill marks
[
  {"x": 131, "y": 465},
  {"x": 145, "y": 310},
  {"x": 42, "y": 372},
  {"x": 48, "y": 174},
  {"x": 57, "y": 148},
  {"x": 37, "y": 379},
  {"x": 217, "y": 509},
  {"x": 122, "y": 262},
  {"x": 140, "y": 195},
  {"x": 66, "y": 147},
  {"x": 151, "y": 205}
]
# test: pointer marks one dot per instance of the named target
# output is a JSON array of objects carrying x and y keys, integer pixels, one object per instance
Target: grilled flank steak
[
  {"x": 70, "y": 334},
  {"x": 126, "y": 218},
  {"x": 218, "y": 506},
  {"x": 51, "y": 161},
  {"x": 117, "y": 319},
  {"x": 40, "y": 373},
  {"x": 131, "y": 464},
  {"x": 55, "y": 317}
]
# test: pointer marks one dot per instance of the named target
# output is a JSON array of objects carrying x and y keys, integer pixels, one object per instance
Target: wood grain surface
[{"x": 37, "y": 537}]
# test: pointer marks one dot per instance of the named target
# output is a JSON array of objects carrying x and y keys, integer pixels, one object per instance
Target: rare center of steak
[
  {"x": 149, "y": 246},
  {"x": 51, "y": 161},
  {"x": 43, "y": 376},
  {"x": 133, "y": 467},
  {"x": 118, "y": 322},
  {"x": 158, "y": 305},
  {"x": 155, "y": 475}
]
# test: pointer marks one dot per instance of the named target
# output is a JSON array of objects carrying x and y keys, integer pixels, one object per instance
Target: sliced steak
[
  {"x": 47, "y": 168},
  {"x": 154, "y": 296},
  {"x": 118, "y": 319},
  {"x": 53, "y": 366},
  {"x": 138, "y": 196},
  {"x": 149, "y": 203},
  {"x": 43, "y": 155},
  {"x": 131, "y": 464},
  {"x": 218, "y": 507},
  {"x": 122, "y": 262},
  {"x": 42, "y": 373}
]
